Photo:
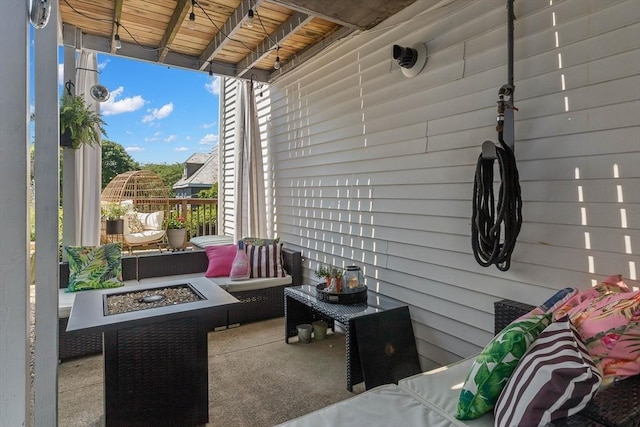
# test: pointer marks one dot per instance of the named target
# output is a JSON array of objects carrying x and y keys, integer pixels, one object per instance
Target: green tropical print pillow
[
  {"x": 495, "y": 364},
  {"x": 94, "y": 267}
]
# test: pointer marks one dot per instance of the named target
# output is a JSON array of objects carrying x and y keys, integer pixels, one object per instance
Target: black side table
[{"x": 302, "y": 306}]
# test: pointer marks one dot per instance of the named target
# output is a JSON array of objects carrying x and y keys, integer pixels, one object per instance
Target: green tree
[
  {"x": 211, "y": 193},
  {"x": 170, "y": 174},
  {"x": 115, "y": 160}
]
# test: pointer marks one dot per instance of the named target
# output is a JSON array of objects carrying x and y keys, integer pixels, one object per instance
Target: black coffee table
[
  {"x": 302, "y": 306},
  {"x": 155, "y": 360}
]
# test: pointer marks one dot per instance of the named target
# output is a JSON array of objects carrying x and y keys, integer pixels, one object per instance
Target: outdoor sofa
[
  {"x": 260, "y": 299},
  {"x": 429, "y": 399}
]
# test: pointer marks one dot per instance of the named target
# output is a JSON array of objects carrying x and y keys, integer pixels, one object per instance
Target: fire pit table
[{"x": 155, "y": 349}]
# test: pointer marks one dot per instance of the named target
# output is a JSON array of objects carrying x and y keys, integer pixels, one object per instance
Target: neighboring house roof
[
  {"x": 199, "y": 158},
  {"x": 206, "y": 175}
]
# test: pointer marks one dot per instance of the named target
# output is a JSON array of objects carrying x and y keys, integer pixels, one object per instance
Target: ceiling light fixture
[
  {"x": 39, "y": 13},
  {"x": 116, "y": 38},
  {"x": 192, "y": 16},
  {"x": 276, "y": 65},
  {"x": 250, "y": 19}
]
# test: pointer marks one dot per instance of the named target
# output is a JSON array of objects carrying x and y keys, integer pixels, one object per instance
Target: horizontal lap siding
[{"x": 373, "y": 168}]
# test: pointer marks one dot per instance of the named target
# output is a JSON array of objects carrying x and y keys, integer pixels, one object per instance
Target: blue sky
[{"x": 159, "y": 114}]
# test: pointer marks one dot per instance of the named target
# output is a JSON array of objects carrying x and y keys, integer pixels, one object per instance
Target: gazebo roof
[{"x": 135, "y": 185}]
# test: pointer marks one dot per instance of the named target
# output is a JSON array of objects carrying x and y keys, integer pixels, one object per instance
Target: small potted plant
[
  {"x": 329, "y": 273},
  {"x": 79, "y": 124},
  {"x": 176, "y": 231},
  {"x": 113, "y": 213}
]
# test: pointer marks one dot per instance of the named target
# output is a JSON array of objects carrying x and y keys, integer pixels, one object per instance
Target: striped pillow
[
  {"x": 266, "y": 260},
  {"x": 555, "y": 379}
]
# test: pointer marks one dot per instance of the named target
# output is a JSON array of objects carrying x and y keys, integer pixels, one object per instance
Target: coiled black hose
[{"x": 489, "y": 221}]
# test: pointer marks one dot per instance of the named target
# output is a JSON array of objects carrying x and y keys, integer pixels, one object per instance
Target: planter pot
[
  {"x": 65, "y": 139},
  {"x": 177, "y": 238},
  {"x": 115, "y": 226}
]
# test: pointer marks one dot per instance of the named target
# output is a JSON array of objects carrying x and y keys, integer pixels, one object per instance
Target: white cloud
[
  {"x": 209, "y": 139},
  {"x": 170, "y": 138},
  {"x": 208, "y": 125},
  {"x": 126, "y": 105},
  {"x": 181, "y": 149},
  {"x": 158, "y": 113},
  {"x": 213, "y": 85},
  {"x": 152, "y": 139},
  {"x": 133, "y": 149},
  {"x": 60, "y": 74}
]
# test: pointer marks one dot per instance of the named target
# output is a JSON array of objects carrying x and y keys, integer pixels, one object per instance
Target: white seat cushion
[
  {"x": 383, "y": 406},
  {"x": 250, "y": 284},
  {"x": 440, "y": 389},
  {"x": 173, "y": 278},
  {"x": 144, "y": 236},
  {"x": 66, "y": 299},
  {"x": 211, "y": 240}
]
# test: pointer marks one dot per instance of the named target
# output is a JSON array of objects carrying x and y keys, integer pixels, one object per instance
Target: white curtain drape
[
  {"x": 249, "y": 191},
  {"x": 88, "y": 166}
]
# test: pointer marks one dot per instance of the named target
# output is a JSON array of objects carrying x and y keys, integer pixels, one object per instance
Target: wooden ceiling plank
[
  {"x": 288, "y": 28},
  {"x": 117, "y": 14},
  {"x": 304, "y": 55},
  {"x": 140, "y": 53},
  {"x": 229, "y": 29},
  {"x": 180, "y": 12}
]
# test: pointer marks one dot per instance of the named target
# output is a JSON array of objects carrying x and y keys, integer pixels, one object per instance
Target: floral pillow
[
  {"x": 94, "y": 267},
  {"x": 610, "y": 285},
  {"x": 133, "y": 223},
  {"x": 609, "y": 324},
  {"x": 558, "y": 300},
  {"x": 495, "y": 364},
  {"x": 259, "y": 241}
]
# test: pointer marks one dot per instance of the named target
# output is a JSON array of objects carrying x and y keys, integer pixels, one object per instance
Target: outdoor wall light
[
  {"x": 39, "y": 12},
  {"x": 99, "y": 93},
  {"x": 412, "y": 59}
]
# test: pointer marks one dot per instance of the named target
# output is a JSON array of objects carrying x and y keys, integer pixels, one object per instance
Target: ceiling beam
[
  {"x": 229, "y": 29},
  {"x": 180, "y": 12},
  {"x": 140, "y": 53},
  {"x": 292, "y": 6},
  {"x": 117, "y": 13},
  {"x": 284, "y": 31}
]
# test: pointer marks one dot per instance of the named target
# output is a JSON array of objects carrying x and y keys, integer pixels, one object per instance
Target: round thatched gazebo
[
  {"x": 145, "y": 192},
  {"x": 138, "y": 186}
]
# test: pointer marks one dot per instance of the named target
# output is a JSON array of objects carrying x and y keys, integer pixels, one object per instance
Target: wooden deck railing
[{"x": 201, "y": 215}]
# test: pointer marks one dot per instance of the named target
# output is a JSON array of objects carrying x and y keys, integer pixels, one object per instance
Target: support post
[
  {"x": 14, "y": 208},
  {"x": 509, "y": 131}
]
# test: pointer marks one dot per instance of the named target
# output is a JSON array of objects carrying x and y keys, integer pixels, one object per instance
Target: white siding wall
[{"x": 376, "y": 169}]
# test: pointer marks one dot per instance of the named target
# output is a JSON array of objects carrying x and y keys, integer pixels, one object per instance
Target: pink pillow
[
  {"x": 610, "y": 327},
  {"x": 220, "y": 260}
]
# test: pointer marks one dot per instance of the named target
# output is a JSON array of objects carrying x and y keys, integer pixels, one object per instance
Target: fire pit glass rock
[{"x": 125, "y": 302}]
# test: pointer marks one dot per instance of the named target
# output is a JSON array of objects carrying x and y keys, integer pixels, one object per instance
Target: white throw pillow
[{"x": 151, "y": 221}]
